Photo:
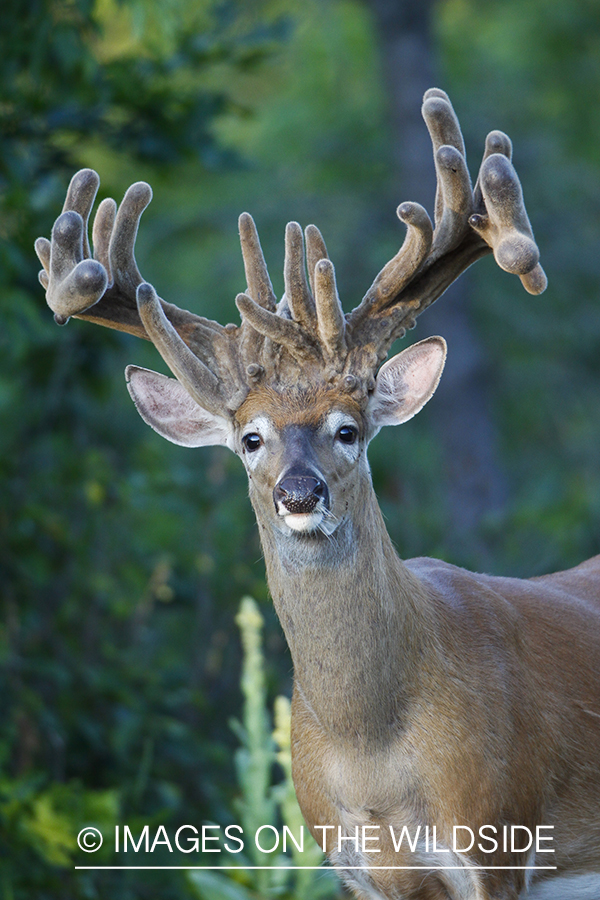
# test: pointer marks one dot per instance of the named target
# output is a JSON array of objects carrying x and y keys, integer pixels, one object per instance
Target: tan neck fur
[{"x": 355, "y": 659}]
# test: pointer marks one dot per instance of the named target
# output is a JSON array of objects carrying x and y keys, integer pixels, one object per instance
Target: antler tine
[
  {"x": 200, "y": 382},
  {"x": 75, "y": 283},
  {"x": 278, "y": 328},
  {"x": 331, "y": 322},
  {"x": 399, "y": 271},
  {"x": 505, "y": 227},
  {"x": 315, "y": 251},
  {"x": 42, "y": 249},
  {"x": 81, "y": 194},
  {"x": 257, "y": 275},
  {"x": 444, "y": 130},
  {"x": 124, "y": 233},
  {"x": 103, "y": 227},
  {"x": 454, "y": 195},
  {"x": 330, "y": 317},
  {"x": 495, "y": 142},
  {"x": 297, "y": 294}
]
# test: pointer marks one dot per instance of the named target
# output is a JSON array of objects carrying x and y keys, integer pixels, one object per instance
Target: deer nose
[{"x": 300, "y": 493}]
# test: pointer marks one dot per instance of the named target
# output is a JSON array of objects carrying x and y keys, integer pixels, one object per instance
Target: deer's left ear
[{"x": 406, "y": 382}]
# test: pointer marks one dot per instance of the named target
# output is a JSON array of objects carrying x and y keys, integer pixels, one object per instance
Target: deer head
[{"x": 299, "y": 366}]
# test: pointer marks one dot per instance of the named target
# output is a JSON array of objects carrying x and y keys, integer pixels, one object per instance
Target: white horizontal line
[{"x": 321, "y": 868}]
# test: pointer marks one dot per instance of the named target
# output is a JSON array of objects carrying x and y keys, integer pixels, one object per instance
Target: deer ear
[
  {"x": 165, "y": 405},
  {"x": 406, "y": 382}
]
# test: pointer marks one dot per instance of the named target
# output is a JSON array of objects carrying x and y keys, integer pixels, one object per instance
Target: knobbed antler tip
[
  {"x": 293, "y": 233},
  {"x": 413, "y": 214},
  {"x": 146, "y": 295},
  {"x": 517, "y": 254},
  {"x": 435, "y": 93},
  {"x": 78, "y": 291},
  {"x": 498, "y": 142},
  {"x": 244, "y": 303},
  {"x": 324, "y": 268},
  {"x": 85, "y": 178},
  {"x": 68, "y": 227},
  {"x": 246, "y": 222},
  {"x": 535, "y": 282},
  {"x": 42, "y": 248},
  {"x": 449, "y": 157},
  {"x": 311, "y": 231},
  {"x": 89, "y": 278},
  {"x": 139, "y": 195},
  {"x": 439, "y": 115}
]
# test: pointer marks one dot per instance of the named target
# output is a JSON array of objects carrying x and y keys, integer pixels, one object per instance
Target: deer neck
[{"x": 355, "y": 620}]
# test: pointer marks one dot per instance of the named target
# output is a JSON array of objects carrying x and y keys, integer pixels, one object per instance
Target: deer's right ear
[{"x": 165, "y": 405}]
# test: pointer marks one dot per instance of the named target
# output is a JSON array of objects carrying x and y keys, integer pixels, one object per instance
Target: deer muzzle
[{"x": 299, "y": 494}]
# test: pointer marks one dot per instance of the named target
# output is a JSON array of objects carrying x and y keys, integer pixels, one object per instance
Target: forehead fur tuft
[{"x": 297, "y": 406}]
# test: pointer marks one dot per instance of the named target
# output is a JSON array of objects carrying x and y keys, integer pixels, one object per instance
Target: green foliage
[
  {"x": 43, "y": 817},
  {"x": 254, "y": 760},
  {"x": 263, "y": 803},
  {"x": 532, "y": 69},
  {"x": 549, "y": 56},
  {"x": 115, "y": 633}
]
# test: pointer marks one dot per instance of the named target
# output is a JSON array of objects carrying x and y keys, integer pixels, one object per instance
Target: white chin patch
[{"x": 303, "y": 521}]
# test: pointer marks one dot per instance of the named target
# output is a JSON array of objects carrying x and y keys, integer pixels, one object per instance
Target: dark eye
[
  {"x": 251, "y": 442},
  {"x": 347, "y": 434}
]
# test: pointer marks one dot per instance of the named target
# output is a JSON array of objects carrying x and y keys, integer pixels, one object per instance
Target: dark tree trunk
[{"x": 475, "y": 481}]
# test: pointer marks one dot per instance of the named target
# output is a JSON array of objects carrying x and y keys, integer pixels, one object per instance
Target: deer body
[
  {"x": 478, "y": 736},
  {"x": 425, "y": 697}
]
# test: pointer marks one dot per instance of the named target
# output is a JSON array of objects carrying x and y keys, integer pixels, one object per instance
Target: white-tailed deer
[{"x": 426, "y": 698}]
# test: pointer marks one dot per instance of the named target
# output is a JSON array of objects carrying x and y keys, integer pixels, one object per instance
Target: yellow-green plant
[{"x": 294, "y": 875}]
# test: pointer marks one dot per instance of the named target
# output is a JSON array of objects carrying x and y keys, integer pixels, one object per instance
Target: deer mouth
[
  {"x": 321, "y": 521},
  {"x": 302, "y": 501},
  {"x": 305, "y": 523}
]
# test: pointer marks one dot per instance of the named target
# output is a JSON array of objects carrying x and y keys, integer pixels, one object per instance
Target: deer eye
[
  {"x": 347, "y": 434},
  {"x": 251, "y": 442}
]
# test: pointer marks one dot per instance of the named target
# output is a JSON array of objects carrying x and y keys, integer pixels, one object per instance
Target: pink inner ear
[
  {"x": 166, "y": 406},
  {"x": 406, "y": 382}
]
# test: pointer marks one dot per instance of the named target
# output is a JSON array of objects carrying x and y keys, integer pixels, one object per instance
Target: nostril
[
  {"x": 319, "y": 489},
  {"x": 279, "y": 493}
]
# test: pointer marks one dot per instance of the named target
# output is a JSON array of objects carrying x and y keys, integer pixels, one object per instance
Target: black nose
[{"x": 300, "y": 493}]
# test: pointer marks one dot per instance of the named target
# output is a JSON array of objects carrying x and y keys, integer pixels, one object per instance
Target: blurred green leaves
[
  {"x": 115, "y": 635},
  {"x": 265, "y": 808},
  {"x": 533, "y": 70}
]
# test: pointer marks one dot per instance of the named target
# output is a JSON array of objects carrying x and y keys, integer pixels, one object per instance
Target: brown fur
[
  {"x": 425, "y": 694},
  {"x": 296, "y": 406}
]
